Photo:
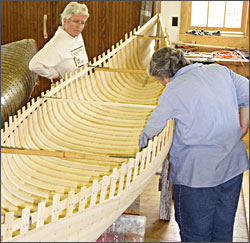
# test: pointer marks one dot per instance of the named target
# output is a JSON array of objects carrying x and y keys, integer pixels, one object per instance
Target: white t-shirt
[{"x": 63, "y": 53}]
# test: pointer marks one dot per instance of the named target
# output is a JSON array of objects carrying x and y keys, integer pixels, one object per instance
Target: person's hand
[
  {"x": 57, "y": 79},
  {"x": 244, "y": 120},
  {"x": 143, "y": 142}
]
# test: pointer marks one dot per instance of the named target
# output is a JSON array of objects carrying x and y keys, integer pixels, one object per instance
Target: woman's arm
[
  {"x": 244, "y": 120},
  {"x": 44, "y": 61}
]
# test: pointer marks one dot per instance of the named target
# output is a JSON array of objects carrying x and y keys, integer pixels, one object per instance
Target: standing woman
[
  {"x": 210, "y": 105},
  {"x": 65, "y": 52}
]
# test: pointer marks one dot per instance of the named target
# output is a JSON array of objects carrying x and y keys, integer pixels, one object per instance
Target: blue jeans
[{"x": 207, "y": 214}]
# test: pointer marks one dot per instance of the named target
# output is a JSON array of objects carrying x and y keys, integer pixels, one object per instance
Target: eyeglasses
[{"x": 76, "y": 22}]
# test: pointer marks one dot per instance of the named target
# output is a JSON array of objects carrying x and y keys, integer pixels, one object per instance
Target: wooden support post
[
  {"x": 144, "y": 151},
  {"x": 113, "y": 183},
  {"x": 136, "y": 167},
  {"x": 121, "y": 179},
  {"x": 70, "y": 203},
  {"x": 8, "y": 226},
  {"x": 157, "y": 44},
  {"x": 154, "y": 145},
  {"x": 166, "y": 193},
  {"x": 55, "y": 208},
  {"x": 95, "y": 189},
  {"x": 150, "y": 144},
  {"x": 129, "y": 172},
  {"x": 104, "y": 186},
  {"x": 25, "y": 221},
  {"x": 82, "y": 199},
  {"x": 40, "y": 214}
]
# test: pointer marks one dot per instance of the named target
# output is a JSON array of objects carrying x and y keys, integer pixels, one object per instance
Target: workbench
[{"x": 239, "y": 65}]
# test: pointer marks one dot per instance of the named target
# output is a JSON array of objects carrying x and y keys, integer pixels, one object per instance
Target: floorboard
[{"x": 159, "y": 231}]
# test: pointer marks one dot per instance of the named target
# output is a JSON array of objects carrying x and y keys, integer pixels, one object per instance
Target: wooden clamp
[
  {"x": 61, "y": 154},
  {"x": 122, "y": 70}
]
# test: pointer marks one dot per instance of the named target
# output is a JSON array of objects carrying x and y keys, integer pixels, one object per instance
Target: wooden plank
[
  {"x": 134, "y": 208},
  {"x": 60, "y": 154},
  {"x": 150, "y": 37},
  {"x": 166, "y": 193},
  {"x": 119, "y": 70}
]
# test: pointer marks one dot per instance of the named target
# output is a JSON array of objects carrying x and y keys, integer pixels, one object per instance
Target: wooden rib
[{"x": 18, "y": 181}]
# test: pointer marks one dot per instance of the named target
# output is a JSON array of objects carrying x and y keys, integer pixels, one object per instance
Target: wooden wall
[{"x": 107, "y": 24}]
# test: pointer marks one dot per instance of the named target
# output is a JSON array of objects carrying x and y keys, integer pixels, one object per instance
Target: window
[
  {"x": 223, "y": 14},
  {"x": 228, "y": 16}
]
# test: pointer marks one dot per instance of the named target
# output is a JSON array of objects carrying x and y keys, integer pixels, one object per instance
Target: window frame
[{"x": 187, "y": 6}]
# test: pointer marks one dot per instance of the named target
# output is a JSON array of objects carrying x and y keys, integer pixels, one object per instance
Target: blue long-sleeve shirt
[{"x": 207, "y": 149}]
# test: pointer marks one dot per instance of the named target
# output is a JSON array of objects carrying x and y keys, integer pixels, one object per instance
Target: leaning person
[
  {"x": 210, "y": 106},
  {"x": 65, "y": 52}
]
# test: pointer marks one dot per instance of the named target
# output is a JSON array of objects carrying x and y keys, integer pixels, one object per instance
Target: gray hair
[
  {"x": 74, "y": 8},
  {"x": 165, "y": 62}
]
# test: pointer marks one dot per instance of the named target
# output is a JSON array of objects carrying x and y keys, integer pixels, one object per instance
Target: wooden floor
[{"x": 159, "y": 231}]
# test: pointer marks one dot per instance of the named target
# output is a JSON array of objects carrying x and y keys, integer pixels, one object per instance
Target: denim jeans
[{"x": 207, "y": 214}]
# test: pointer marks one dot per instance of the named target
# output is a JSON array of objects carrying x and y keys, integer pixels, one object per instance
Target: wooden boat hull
[
  {"x": 77, "y": 229},
  {"x": 96, "y": 117},
  {"x": 17, "y": 81}
]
